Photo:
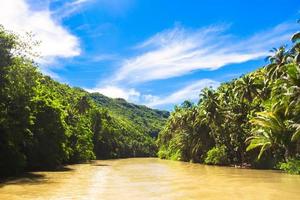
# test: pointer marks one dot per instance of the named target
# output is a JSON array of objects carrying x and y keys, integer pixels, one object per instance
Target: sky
[{"x": 152, "y": 52}]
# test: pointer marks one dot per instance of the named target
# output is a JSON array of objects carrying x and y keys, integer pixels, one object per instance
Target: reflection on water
[{"x": 151, "y": 178}]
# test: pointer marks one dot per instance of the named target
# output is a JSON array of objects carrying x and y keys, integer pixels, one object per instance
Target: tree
[
  {"x": 17, "y": 75},
  {"x": 277, "y": 61},
  {"x": 47, "y": 145},
  {"x": 296, "y": 48},
  {"x": 271, "y": 131},
  {"x": 246, "y": 88}
]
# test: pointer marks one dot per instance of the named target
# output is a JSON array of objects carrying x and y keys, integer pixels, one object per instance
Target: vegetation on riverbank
[
  {"x": 251, "y": 120},
  {"x": 254, "y": 119},
  {"x": 44, "y": 124}
]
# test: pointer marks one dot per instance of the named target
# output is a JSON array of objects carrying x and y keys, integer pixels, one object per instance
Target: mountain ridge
[{"x": 120, "y": 108}]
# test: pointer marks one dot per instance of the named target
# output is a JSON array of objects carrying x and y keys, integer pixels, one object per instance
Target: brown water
[{"x": 151, "y": 178}]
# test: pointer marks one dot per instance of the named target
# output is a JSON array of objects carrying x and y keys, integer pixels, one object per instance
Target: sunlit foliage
[
  {"x": 45, "y": 124},
  {"x": 253, "y": 120}
]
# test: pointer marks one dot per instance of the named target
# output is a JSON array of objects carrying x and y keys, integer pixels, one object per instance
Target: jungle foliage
[
  {"x": 45, "y": 124},
  {"x": 253, "y": 120}
]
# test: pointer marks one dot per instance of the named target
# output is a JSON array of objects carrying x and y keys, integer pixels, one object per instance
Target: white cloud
[
  {"x": 69, "y": 8},
  {"x": 56, "y": 41},
  {"x": 180, "y": 51},
  {"x": 78, "y": 2},
  {"x": 117, "y": 92},
  {"x": 190, "y": 92},
  {"x": 104, "y": 57}
]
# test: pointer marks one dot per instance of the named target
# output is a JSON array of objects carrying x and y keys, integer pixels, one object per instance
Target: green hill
[{"x": 143, "y": 118}]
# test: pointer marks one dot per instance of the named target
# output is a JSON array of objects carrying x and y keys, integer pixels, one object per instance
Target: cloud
[
  {"x": 56, "y": 40},
  {"x": 131, "y": 94},
  {"x": 116, "y": 7},
  {"x": 104, "y": 57},
  {"x": 70, "y": 8},
  {"x": 180, "y": 51},
  {"x": 78, "y": 2},
  {"x": 190, "y": 92},
  {"x": 117, "y": 92}
]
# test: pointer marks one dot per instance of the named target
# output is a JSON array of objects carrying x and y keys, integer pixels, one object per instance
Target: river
[{"x": 152, "y": 178}]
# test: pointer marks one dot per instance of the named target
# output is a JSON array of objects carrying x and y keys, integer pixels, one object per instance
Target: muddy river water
[{"x": 152, "y": 178}]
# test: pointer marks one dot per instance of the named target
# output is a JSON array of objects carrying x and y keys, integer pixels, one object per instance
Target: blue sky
[{"x": 152, "y": 52}]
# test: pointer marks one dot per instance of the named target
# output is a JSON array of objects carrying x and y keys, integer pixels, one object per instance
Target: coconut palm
[
  {"x": 296, "y": 48},
  {"x": 246, "y": 88},
  {"x": 293, "y": 76},
  {"x": 277, "y": 61},
  {"x": 209, "y": 101},
  {"x": 271, "y": 130}
]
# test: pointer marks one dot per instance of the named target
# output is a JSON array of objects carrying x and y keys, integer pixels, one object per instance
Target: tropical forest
[{"x": 185, "y": 114}]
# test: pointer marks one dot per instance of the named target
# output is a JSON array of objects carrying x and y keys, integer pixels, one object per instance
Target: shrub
[
  {"x": 292, "y": 166},
  {"x": 216, "y": 156},
  {"x": 176, "y": 155},
  {"x": 162, "y": 153}
]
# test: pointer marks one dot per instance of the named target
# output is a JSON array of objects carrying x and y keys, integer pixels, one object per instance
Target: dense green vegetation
[
  {"x": 253, "y": 120},
  {"x": 44, "y": 124},
  {"x": 143, "y": 118}
]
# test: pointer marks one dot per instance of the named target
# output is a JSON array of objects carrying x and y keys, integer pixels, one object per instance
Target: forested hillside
[
  {"x": 143, "y": 118},
  {"x": 44, "y": 124},
  {"x": 250, "y": 121}
]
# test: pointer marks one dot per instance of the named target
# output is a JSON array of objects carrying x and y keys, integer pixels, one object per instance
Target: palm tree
[
  {"x": 277, "y": 61},
  {"x": 271, "y": 131},
  {"x": 292, "y": 79},
  {"x": 187, "y": 104},
  {"x": 246, "y": 88},
  {"x": 209, "y": 101},
  {"x": 292, "y": 97},
  {"x": 296, "y": 48},
  {"x": 279, "y": 57}
]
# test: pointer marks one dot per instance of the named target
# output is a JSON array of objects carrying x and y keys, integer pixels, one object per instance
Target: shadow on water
[
  {"x": 100, "y": 165},
  {"x": 26, "y": 178},
  {"x": 59, "y": 169},
  {"x": 31, "y": 177}
]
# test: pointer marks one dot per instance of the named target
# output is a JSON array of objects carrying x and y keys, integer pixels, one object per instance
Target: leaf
[
  {"x": 262, "y": 150},
  {"x": 296, "y": 37},
  {"x": 296, "y": 135}
]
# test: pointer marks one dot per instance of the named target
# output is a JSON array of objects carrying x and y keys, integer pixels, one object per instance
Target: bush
[
  {"x": 216, "y": 156},
  {"x": 291, "y": 167},
  {"x": 177, "y": 155},
  {"x": 171, "y": 153},
  {"x": 162, "y": 153}
]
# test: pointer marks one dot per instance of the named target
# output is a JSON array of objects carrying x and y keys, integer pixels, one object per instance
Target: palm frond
[
  {"x": 296, "y": 37},
  {"x": 259, "y": 141},
  {"x": 296, "y": 135}
]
